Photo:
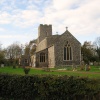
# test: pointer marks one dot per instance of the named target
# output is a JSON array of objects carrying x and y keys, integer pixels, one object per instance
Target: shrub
[
  {"x": 43, "y": 87},
  {"x": 26, "y": 70},
  {"x": 14, "y": 65}
]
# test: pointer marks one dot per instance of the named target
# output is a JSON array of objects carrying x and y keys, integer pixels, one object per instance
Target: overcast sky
[{"x": 19, "y": 19}]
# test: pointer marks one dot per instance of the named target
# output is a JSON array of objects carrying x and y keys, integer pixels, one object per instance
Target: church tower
[{"x": 44, "y": 31}]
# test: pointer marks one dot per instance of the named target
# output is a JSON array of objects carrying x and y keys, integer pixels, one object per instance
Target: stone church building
[{"x": 56, "y": 50}]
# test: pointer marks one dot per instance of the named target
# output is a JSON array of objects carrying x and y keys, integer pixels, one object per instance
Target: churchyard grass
[{"x": 93, "y": 73}]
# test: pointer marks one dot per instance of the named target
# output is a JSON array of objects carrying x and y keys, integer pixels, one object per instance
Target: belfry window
[
  {"x": 42, "y": 57},
  {"x": 67, "y": 52}
]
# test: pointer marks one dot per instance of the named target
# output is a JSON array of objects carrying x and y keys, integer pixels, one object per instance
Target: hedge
[{"x": 48, "y": 87}]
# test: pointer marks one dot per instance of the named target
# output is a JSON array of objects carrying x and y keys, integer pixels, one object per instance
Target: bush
[
  {"x": 14, "y": 65},
  {"x": 26, "y": 70},
  {"x": 43, "y": 87}
]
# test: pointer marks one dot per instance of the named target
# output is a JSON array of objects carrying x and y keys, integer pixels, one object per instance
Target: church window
[
  {"x": 42, "y": 57},
  {"x": 64, "y": 53},
  {"x": 67, "y": 52}
]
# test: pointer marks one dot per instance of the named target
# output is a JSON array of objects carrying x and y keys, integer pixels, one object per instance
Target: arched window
[
  {"x": 42, "y": 57},
  {"x": 67, "y": 52}
]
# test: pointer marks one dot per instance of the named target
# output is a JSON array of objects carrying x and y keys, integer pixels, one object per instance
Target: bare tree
[
  {"x": 97, "y": 42},
  {"x": 2, "y": 55},
  {"x": 13, "y": 52}
]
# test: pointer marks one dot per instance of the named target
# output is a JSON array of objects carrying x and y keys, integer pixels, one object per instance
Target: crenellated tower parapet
[{"x": 44, "y": 31}]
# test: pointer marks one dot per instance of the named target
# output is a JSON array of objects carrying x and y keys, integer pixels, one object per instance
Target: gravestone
[
  {"x": 74, "y": 67},
  {"x": 95, "y": 63},
  {"x": 87, "y": 67},
  {"x": 82, "y": 65},
  {"x": 2, "y": 65}
]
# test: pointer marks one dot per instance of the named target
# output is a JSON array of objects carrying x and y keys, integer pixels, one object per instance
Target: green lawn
[{"x": 93, "y": 73}]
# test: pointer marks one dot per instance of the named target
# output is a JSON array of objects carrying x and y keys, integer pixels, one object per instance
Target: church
[{"x": 56, "y": 50}]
